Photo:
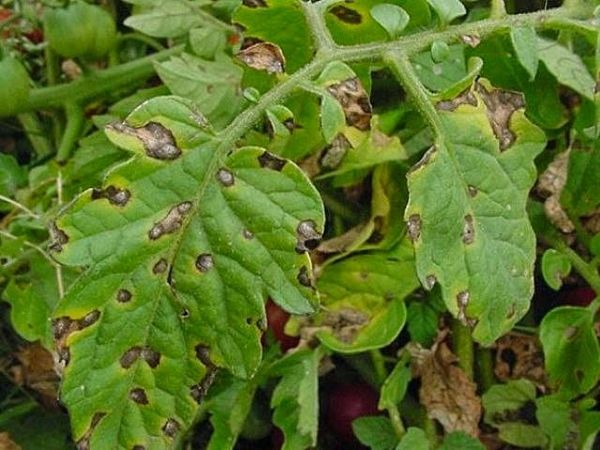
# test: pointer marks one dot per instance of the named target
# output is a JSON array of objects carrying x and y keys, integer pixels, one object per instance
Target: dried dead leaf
[
  {"x": 520, "y": 356},
  {"x": 6, "y": 443},
  {"x": 263, "y": 56},
  {"x": 550, "y": 184},
  {"x": 448, "y": 395},
  {"x": 35, "y": 370},
  {"x": 355, "y": 102}
]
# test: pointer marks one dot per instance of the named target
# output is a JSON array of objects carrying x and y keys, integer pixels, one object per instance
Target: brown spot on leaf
[
  {"x": 158, "y": 140},
  {"x": 130, "y": 357},
  {"x": 270, "y": 161},
  {"x": 198, "y": 391},
  {"x": 414, "y": 227},
  {"x": 203, "y": 354},
  {"x": 114, "y": 195},
  {"x": 160, "y": 267},
  {"x": 472, "y": 191},
  {"x": 500, "y": 107},
  {"x": 171, "y": 427},
  {"x": 430, "y": 281},
  {"x": 345, "y": 323},
  {"x": 185, "y": 313},
  {"x": 64, "y": 356},
  {"x": 307, "y": 236},
  {"x": 355, "y": 102},
  {"x": 89, "y": 319},
  {"x": 551, "y": 184},
  {"x": 204, "y": 262},
  {"x": 255, "y": 3},
  {"x": 332, "y": 155},
  {"x": 171, "y": 222},
  {"x": 138, "y": 447},
  {"x": 62, "y": 328},
  {"x": 247, "y": 234},
  {"x": 465, "y": 98},
  {"x": 571, "y": 333},
  {"x": 123, "y": 296},
  {"x": 59, "y": 238},
  {"x": 151, "y": 356},
  {"x": 304, "y": 277},
  {"x": 472, "y": 40},
  {"x": 468, "y": 233},
  {"x": 346, "y": 14},
  {"x": 446, "y": 392},
  {"x": 462, "y": 300},
  {"x": 263, "y": 56},
  {"x": 139, "y": 396},
  {"x": 225, "y": 177}
]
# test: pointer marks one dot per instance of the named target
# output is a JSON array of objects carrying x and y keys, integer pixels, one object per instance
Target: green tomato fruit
[
  {"x": 14, "y": 85},
  {"x": 80, "y": 31}
]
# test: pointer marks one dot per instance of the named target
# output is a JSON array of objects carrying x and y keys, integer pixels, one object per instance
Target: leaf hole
[
  {"x": 170, "y": 428},
  {"x": 414, "y": 227},
  {"x": 307, "y": 236},
  {"x": 204, "y": 262},
  {"x": 269, "y": 161}
]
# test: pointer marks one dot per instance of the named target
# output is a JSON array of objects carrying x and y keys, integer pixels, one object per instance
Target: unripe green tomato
[
  {"x": 14, "y": 85},
  {"x": 80, "y": 30}
]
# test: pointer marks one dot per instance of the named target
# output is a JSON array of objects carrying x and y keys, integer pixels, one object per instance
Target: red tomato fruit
[
  {"x": 347, "y": 402},
  {"x": 276, "y": 320}
]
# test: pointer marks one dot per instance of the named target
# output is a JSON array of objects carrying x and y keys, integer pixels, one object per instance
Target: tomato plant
[{"x": 248, "y": 224}]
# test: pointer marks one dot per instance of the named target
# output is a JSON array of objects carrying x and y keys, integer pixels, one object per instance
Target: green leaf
[
  {"x": 394, "y": 387},
  {"x": 39, "y": 429},
  {"x": 581, "y": 194},
  {"x": 212, "y": 85},
  {"x": 439, "y": 76},
  {"x": 501, "y": 401},
  {"x": 12, "y": 175},
  {"x": 524, "y": 41},
  {"x": 207, "y": 42},
  {"x": 176, "y": 244},
  {"x": 522, "y": 435},
  {"x": 333, "y": 119},
  {"x": 447, "y": 10},
  {"x": 571, "y": 350},
  {"x": 459, "y": 440},
  {"x": 556, "y": 420},
  {"x": 423, "y": 318},
  {"x": 391, "y": 17},
  {"x": 265, "y": 23},
  {"x": 168, "y": 19},
  {"x": 376, "y": 432},
  {"x": 229, "y": 403},
  {"x": 296, "y": 399},
  {"x": 361, "y": 322},
  {"x": 555, "y": 267},
  {"x": 32, "y": 301},
  {"x": 414, "y": 439},
  {"x": 466, "y": 213},
  {"x": 567, "y": 67},
  {"x": 439, "y": 51}
]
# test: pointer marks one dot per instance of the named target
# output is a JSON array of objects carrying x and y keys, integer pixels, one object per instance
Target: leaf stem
[
  {"x": 75, "y": 121},
  {"x": 20, "y": 206},
  {"x": 402, "y": 69},
  {"x": 485, "y": 366},
  {"x": 313, "y": 12},
  {"x": 379, "y": 366},
  {"x": 36, "y": 135},
  {"x": 463, "y": 347}
]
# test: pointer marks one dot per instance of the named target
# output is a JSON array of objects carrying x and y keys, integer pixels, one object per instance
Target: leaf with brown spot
[
  {"x": 173, "y": 270},
  {"x": 446, "y": 392},
  {"x": 263, "y": 56}
]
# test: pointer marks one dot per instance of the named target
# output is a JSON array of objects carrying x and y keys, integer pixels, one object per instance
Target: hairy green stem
[
  {"x": 498, "y": 9},
  {"x": 463, "y": 347},
  {"x": 313, "y": 13},
  {"x": 75, "y": 122},
  {"x": 485, "y": 368},
  {"x": 403, "y": 70},
  {"x": 98, "y": 84}
]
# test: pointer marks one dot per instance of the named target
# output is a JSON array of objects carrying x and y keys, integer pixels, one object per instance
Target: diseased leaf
[
  {"x": 376, "y": 432},
  {"x": 214, "y": 86},
  {"x": 581, "y": 193},
  {"x": 567, "y": 67},
  {"x": 296, "y": 399},
  {"x": 522, "y": 435},
  {"x": 333, "y": 120},
  {"x": 446, "y": 392},
  {"x": 556, "y": 420},
  {"x": 524, "y": 41},
  {"x": 571, "y": 349},
  {"x": 263, "y": 21},
  {"x": 466, "y": 213},
  {"x": 182, "y": 245}
]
